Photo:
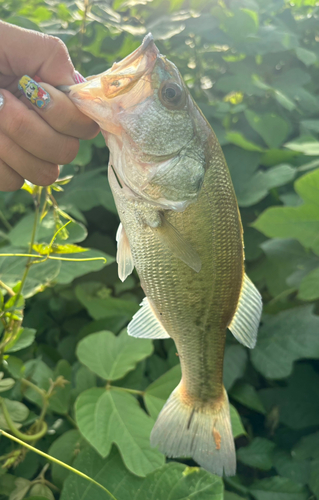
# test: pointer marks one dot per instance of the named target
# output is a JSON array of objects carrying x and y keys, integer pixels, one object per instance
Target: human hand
[{"x": 38, "y": 129}]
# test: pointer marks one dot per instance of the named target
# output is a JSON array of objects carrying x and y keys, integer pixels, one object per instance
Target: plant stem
[
  {"x": 16, "y": 432},
  {"x": 55, "y": 460},
  {"x": 34, "y": 230},
  {"x": 7, "y": 288},
  {"x": 125, "y": 389}
]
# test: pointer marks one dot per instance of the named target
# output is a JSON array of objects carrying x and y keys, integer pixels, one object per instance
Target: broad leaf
[
  {"x": 112, "y": 357},
  {"x": 257, "y": 454},
  {"x": 278, "y": 488},
  {"x": 114, "y": 416},
  {"x": 301, "y": 222},
  {"x": 172, "y": 481},
  {"x": 284, "y": 338},
  {"x": 65, "y": 448},
  {"x": 297, "y": 407}
]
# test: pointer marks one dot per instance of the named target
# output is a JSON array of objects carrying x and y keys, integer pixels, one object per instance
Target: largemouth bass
[{"x": 181, "y": 229}]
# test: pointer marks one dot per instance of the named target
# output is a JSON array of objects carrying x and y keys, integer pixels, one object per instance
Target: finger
[
  {"x": 30, "y": 52},
  {"x": 58, "y": 110},
  {"x": 26, "y": 165},
  {"x": 9, "y": 179},
  {"x": 33, "y": 134}
]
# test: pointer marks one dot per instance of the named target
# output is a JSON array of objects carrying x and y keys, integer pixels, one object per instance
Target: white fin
[
  {"x": 145, "y": 324},
  {"x": 245, "y": 323},
  {"x": 123, "y": 255},
  {"x": 203, "y": 433},
  {"x": 173, "y": 240}
]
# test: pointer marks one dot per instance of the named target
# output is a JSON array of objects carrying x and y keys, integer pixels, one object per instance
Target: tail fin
[{"x": 203, "y": 433}]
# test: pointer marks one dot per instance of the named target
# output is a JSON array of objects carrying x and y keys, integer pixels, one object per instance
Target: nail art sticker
[
  {"x": 34, "y": 92},
  {"x": 1, "y": 100}
]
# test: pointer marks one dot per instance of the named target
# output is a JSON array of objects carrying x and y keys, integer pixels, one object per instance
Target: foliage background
[{"x": 253, "y": 68}]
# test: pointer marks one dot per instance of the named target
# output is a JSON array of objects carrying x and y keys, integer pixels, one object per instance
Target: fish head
[{"x": 151, "y": 125}]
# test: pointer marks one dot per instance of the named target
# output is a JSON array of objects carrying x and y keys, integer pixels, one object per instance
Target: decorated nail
[
  {"x": 1, "y": 100},
  {"x": 34, "y": 92}
]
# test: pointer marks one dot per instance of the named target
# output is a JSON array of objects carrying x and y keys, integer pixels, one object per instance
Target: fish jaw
[{"x": 102, "y": 97}]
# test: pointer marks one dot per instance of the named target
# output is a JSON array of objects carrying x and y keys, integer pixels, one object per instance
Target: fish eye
[{"x": 172, "y": 95}]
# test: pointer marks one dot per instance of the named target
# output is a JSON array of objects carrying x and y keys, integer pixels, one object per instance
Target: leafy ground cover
[{"x": 73, "y": 384}]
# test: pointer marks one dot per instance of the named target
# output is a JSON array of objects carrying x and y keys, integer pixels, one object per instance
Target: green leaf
[
  {"x": 112, "y": 357},
  {"x": 235, "y": 361},
  {"x": 309, "y": 286},
  {"x": 60, "y": 400},
  {"x": 238, "y": 139},
  {"x": 314, "y": 478},
  {"x": 113, "y": 416},
  {"x": 247, "y": 395},
  {"x": 271, "y": 127},
  {"x": 236, "y": 423},
  {"x": 301, "y": 222},
  {"x": 105, "y": 307},
  {"x": 22, "y": 487},
  {"x": 252, "y": 185},
  {"x": 287, "y": 466},
  {"x": 257, "y": 454},
  {"x": 278, "y": 488},
  {"x": 307, "y": 447},
  {"x": 39, "y": 276},
  {"x": 297, "y": 406},
  {"x": 6, "y": 383},
  {"x": 18, "y": 413},
  {"x": 37, "y": 498},
  {"x": 24, "y": 338},
  {"x": 306, "y": 56},
  {"x": 172, "y": 481},
  {"x": 287, "y": 263},
  {"x": 65, "y": 448},
  {"x": 42, "y": 490},
  {"x": 284, "y": 338},
  {"x": 88, "y": 190}
]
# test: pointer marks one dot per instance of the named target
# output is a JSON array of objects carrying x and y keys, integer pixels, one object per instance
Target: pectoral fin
[
  {"x": 172, "y": 239},
  {"x": 145, "y": 324},
  {"x": 244, "y": 325},
  {"x": 124, "y": 257}
]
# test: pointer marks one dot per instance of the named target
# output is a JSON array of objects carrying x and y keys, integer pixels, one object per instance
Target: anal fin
[
  {"x": 145, "y": 324},
  {"x": 245, "y": 323},
  {"x": 172, "y": 239},
  {"x": 124, "y": 257}
]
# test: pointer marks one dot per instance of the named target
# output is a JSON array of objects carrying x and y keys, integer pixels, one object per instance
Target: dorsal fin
[
  {"x": 245, "y": 323},
  {"x": 124, "y": 257},
  {"x": 172, "y": 239},
  {"x": 145, "y": 324}
]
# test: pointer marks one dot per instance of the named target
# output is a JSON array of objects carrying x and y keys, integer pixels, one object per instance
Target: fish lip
[{"x": 135, "y": 65}]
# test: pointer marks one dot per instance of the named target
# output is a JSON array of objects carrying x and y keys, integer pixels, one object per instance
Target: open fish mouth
[{"x": 121, "y": 77}]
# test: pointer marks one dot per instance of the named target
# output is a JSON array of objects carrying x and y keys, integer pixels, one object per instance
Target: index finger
[{"x": 29, "y": 52}]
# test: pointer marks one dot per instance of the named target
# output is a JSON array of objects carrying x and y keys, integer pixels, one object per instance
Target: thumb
[{"x": 30, "y": 52}]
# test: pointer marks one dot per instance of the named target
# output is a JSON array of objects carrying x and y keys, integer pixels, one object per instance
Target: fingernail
[
  {"x": 1, "y": 100},
  {"x": 78, "y": 78},
  {"x": 34, "y": 92}
]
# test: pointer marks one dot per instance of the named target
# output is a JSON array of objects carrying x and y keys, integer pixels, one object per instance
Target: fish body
[{"x": 181, "y": 229}]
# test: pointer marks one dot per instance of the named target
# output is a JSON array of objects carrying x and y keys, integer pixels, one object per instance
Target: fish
[{"x": 181, "y": 230}]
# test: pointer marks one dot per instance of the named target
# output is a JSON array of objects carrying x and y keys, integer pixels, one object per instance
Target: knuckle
[
  {"x": 16, "y": 125},
  {"x": 9, "y": 179},
  {"x": 58, "y": 48}
]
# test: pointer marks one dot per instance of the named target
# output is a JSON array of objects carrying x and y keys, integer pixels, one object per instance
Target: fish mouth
[{"x": 121, "y": 77}]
